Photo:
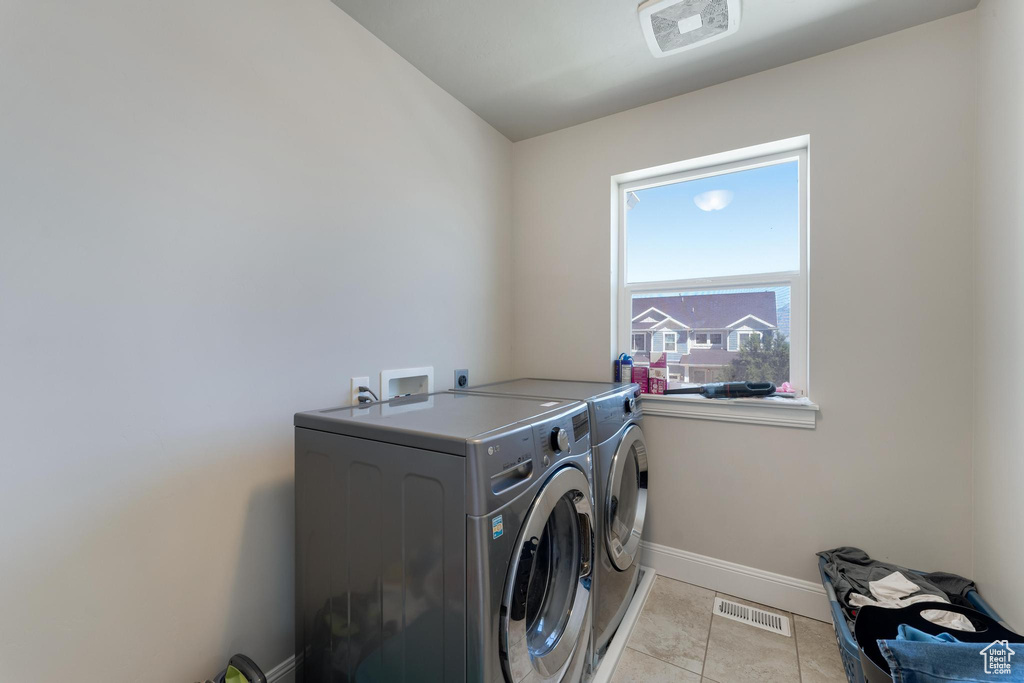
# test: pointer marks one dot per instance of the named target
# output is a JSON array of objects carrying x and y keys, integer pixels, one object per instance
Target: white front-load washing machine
[
  {"x": 620, "y": 478},
  {"x": 444, "y": 537}
]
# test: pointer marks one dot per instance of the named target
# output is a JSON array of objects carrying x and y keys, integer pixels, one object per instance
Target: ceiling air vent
[
  {"x": 671, "y": 26},
  {"x": 769, "y": 621}
]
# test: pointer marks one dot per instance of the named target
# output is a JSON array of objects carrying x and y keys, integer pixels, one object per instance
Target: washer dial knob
[
  {"x": 630, "y": 406},
  {"x": 560, "y": 440}
]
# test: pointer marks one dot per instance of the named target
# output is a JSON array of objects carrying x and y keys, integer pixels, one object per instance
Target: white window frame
[
  {"x": 704, "y": 344},
  {"x": 739, "y": 340},
  {"x": 721, "y": 338},
  {"x": 795, "y": 149},
  {"x": 638, "y": 334},
  {"x": 675, "y": 338}
]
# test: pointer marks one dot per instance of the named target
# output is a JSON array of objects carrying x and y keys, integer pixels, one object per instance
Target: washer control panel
[
  {"x": 560, "y": 440},
  {"x": 503, "y": 463},
  {"x": 567, "y": 435}
]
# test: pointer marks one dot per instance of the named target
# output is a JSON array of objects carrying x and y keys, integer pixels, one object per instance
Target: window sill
[{"x": 774, "y": 412}]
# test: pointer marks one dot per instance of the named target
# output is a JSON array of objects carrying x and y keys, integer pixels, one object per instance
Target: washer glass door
[
  {"x": 626, "y": 499},
  {"x": 548, "y": 590}
]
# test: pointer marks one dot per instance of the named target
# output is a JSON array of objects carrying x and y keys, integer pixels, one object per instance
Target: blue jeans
[{"x": 917, "y": 657}]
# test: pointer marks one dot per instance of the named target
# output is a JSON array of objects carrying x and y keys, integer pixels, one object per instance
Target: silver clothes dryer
[
  {"x": 444, "y": 537},
  {"x": 620, "y": 478}
]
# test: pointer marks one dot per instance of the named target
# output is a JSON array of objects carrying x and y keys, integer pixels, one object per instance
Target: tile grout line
[
  {"x": 665, "y": 661},
  {"x": 707, "y": 643},
  {"x": 789, "y": 615},
  {"x": 796, "y": 646}
]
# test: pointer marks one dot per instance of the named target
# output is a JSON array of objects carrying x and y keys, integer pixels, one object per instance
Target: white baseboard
[
  {"x": 283, "y": 672},
  {"x": 775, "y": 590}
]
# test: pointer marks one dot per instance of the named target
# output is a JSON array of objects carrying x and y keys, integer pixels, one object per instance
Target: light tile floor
[{"x": 676, "y": 638}]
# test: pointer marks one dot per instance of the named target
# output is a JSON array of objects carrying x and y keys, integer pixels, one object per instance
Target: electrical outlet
[
  {"x": 354, "y": 390},
  {"x": 462, "y": 379}
]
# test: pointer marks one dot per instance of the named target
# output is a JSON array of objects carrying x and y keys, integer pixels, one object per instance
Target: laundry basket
[
  {"x": 875, "y": 624},
  {"x": 848, "y": 649}
]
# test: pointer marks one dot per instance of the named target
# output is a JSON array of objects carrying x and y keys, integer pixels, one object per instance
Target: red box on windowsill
[
  {"x": 640, "y": 374},
  {"x": 659, "y": 366},
  {"x": 657, "y": 385}
]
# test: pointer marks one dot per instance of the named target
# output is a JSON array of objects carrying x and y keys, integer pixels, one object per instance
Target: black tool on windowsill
[{"x": 728, "y": 389}]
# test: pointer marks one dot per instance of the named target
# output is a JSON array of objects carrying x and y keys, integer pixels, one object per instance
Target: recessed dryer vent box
[
  {"x": 407, "y": 381},
  {"x": 672, "y": 26}
]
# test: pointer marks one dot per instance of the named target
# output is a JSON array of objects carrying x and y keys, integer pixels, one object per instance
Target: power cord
[{"x": 367, "y": 390}]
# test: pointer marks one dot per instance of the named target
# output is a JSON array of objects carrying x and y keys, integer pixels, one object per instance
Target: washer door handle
[
  {"x": 623, "y": 540},
  {"x": 586, "y": 545},
  {"x": 561, "y": 590},
  {"x": 517, "y": 604}
]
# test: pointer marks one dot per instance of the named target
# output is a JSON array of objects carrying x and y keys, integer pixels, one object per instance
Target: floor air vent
[{"x": 769, "y": 621}]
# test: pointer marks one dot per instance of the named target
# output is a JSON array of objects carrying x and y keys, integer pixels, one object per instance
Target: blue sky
[{"x": 671, "y": 238}]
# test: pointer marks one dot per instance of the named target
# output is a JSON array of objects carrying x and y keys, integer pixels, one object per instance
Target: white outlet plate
[{"x": 357, "y": 382}]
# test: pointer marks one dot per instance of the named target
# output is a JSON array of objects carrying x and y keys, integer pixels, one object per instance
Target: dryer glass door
[
  {"x": 548, "y": 592},
  {"x": 626, "y": 499}
]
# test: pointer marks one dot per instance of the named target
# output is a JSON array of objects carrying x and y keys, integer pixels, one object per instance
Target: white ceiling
[{"x": 529, "y": 67}]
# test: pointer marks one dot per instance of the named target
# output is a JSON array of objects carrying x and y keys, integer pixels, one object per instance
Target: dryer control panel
[
  {"x": 504, "y": 464},
  {"x": 614, "y": 410}
]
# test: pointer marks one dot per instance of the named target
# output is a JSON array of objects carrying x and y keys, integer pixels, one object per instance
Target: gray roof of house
[
  {"x": 707, "y": 311},
  {"x": 695, "y": 357}
]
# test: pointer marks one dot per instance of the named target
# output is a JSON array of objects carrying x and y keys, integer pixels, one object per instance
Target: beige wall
[
  {"x": 198, "y": 200},
  {"x": 892, "y": 127},
  {"x": 214, "y": 214},
  {"x": 999, "y": 307}
]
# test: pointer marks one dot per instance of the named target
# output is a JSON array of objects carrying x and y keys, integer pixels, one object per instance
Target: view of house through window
[
  {"x": 713, "y": 280},
  {"x": 716, "y": 336}
]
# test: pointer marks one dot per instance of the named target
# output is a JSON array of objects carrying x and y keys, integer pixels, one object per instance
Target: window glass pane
[
  {"x": 735, "y": 223},
  {"x": 751, "y": 342}
]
